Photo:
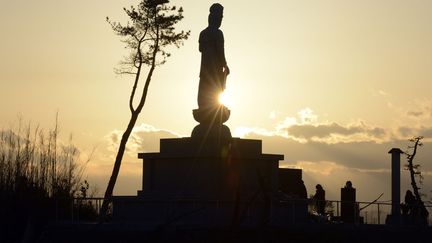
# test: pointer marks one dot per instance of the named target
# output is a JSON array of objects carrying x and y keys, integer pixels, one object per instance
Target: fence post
[{"x": 337, "y": 209}]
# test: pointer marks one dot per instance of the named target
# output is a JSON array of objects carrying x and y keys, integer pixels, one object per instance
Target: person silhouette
[
  {"x": 348, "y": 185},
  {"x": 319, "y": 198},
  {"x": 214, "y": 68}
]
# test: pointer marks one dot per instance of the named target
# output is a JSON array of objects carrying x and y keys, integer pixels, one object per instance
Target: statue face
[{"x": 219, "y": 21}]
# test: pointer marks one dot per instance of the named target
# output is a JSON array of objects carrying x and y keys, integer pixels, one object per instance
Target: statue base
[
  {"x": 211, "y": 121},
  {"x": 211, "y": 132},
  {"x": 212, "y": 115}
]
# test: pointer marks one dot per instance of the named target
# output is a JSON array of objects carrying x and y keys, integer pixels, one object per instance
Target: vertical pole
[
  {"x": 395, "y": 167},
  {"x": 337, "y": 209}
]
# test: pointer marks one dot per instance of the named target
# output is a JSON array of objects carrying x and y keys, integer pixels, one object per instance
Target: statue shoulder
[{"x": 210, "y": 33}]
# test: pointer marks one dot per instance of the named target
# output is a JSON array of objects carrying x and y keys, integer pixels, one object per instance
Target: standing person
[
  {"x": 319, "y": 198},
  {"x": 410, "y": 202},
  {"x": 214, "y": 67}
]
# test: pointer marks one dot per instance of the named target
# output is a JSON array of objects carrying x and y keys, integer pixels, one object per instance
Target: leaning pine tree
[{"x": 147, "y": 36}]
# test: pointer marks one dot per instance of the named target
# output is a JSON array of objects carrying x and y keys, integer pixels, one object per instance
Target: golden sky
[{"x": 332, "y": 85}]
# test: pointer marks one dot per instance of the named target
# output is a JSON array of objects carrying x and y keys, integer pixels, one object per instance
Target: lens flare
[{"x": 224, "y": 99}]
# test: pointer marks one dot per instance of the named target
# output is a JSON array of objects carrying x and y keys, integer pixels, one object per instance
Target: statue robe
[{"x": 211, "y": 46}]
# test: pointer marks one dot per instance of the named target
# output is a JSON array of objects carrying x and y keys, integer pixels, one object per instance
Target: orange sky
[{"x": 332, "y": 85}]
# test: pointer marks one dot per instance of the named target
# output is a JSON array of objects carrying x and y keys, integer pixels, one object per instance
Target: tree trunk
[
  {"x": 126, "y": 134},
  {"x": 117, "y": 163},
  {"x": 420, "y": 204}
]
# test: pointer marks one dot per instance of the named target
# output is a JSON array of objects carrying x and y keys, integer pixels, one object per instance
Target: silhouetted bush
[{"x": 39, "y": 177}]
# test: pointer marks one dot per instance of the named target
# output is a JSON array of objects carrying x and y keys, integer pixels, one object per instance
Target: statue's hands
[{"x": 226, "y": 70}]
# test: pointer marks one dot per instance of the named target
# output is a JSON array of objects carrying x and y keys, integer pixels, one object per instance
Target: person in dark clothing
[
  {"x": 302, "y": 191},
  {"x": 410, "y": 201},
  {"x": 319, "y": 198},
  {"x": 214, "y": 67},
  {"x": 348, "y": 185}
]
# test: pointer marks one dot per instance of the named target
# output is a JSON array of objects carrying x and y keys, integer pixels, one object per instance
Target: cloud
[
  {"x": 415, "y": 113},
  {"x": 329, "y": 153},
  {"x": 382, "y": 93},
  {"x": 419, "y": 110},
  {"x": 324, "y": 168},
  {"x": 307, "y": 115},
  {"x": 360, "y": 155},
  {"x": 144, "y": 138},
  {"x": 306, "y": 127},
  {"x": 366, "y": 163},
  {"x": 325, "y": 131}
]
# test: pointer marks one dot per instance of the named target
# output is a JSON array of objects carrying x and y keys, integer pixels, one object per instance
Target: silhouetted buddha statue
[
  {"x": 213, "y": 72},
  {"x": 214, "y": 68}
]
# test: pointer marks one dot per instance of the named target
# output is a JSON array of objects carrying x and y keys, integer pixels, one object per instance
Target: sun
[{"x": 224, "y": 98}]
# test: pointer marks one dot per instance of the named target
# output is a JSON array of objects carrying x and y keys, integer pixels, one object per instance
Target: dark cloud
[
  {"x": 425, "y": 132},
  {"x": 365, "y": 155},
  {"x": 377, "y": 132},
  {"x": 309, "y": 131},
  {"x": 415, "y": 113},
  {"x": 406, "y": 131},
  {"x": 115, "y": 137}
]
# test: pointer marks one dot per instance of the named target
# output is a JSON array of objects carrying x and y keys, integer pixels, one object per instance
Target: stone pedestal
[
  {"x": 294, "y": 195},
  {"x": 208, "y": 179},
  {"x": 213, "y": 182},
  {"x": 349, "y": 210},
  {"x": 211, "y": 170}
]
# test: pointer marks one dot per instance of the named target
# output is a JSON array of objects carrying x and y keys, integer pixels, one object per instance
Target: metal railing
[{"x": 84, "y": 210}]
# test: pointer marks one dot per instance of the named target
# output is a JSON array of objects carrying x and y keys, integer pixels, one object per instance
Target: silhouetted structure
[
  {"x": 294, "y": 194},
  {"x": 214, "y": 67},
  {"x": 222, "y": 183},
  {"x": 209, "y": 178},
  {"x": 319, "y": 198},
  {"x": 349, "y": 210},
  {"x": 394, "y": 218},
  {"x": 213, "y": 72},
  {"x": 291, "y": 183}
]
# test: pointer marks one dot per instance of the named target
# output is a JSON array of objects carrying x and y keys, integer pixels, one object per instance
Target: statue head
[{"x": 215, "y": 16}]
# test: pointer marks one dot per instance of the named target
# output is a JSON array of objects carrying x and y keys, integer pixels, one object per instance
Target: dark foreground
[{"x": 296, "y": 233}]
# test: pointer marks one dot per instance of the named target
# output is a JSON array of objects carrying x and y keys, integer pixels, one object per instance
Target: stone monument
[
  {"x": 209, "y": 178},
  {"x": 213, "y": 74}
]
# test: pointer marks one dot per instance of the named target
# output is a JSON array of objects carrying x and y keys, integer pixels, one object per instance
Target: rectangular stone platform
[
  {"x": 215, "y": 180},
  {"x": 186, "y": 167}
]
